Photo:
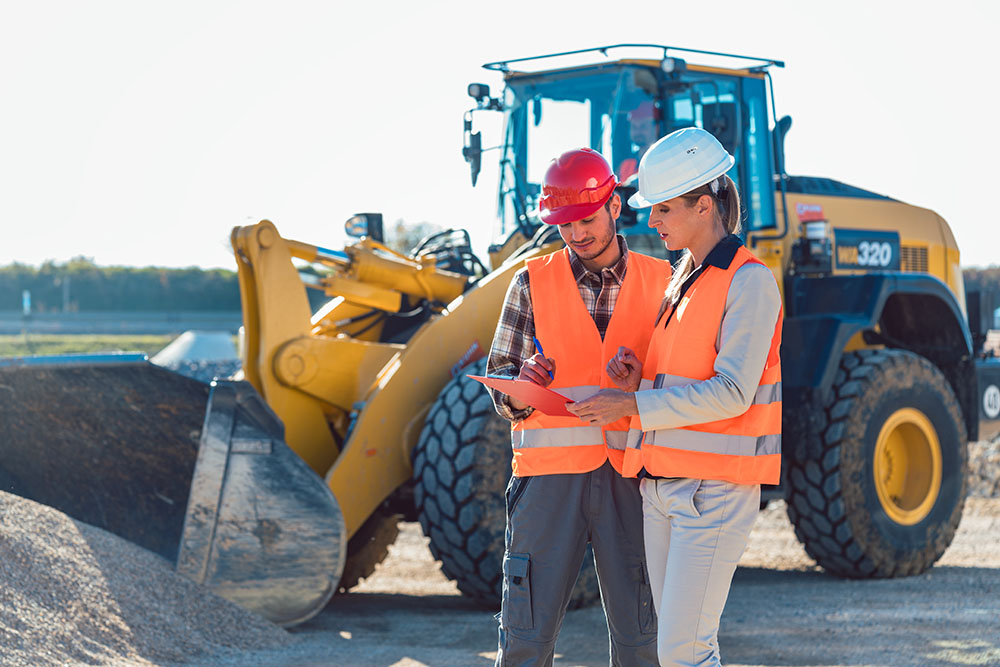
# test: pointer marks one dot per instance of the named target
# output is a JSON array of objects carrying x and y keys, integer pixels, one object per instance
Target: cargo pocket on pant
[
  {"x": 517, "y": 592},
  {"x": 647, "y": 613}
]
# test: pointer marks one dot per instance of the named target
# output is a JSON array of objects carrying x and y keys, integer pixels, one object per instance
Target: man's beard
[{"x": 597, "y": 253}]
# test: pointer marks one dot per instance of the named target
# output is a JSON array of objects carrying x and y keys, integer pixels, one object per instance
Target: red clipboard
[{"x": 541, "y": 398}]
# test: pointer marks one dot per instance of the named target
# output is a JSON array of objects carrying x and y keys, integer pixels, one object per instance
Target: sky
[{"x": 140, "y": 133}]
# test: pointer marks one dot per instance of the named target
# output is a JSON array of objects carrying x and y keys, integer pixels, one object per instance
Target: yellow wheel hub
[{"x": 907, "y": 466}]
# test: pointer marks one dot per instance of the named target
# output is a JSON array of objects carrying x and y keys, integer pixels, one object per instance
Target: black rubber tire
[
  {"x": 461, "y": 466},
  {"x": 368, "y": 547},
  {"x": 833, "y": 502}
]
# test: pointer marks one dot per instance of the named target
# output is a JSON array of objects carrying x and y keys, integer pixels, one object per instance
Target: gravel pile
[
  {"x": 984, "y": 469},
  {"x": 74, "y": 594}
]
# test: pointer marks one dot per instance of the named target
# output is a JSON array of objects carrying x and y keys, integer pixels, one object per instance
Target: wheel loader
[{"x": 284, "y": 486}]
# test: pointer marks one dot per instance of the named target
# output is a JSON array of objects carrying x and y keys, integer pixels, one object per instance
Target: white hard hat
[{"x": 678, "y": 163}]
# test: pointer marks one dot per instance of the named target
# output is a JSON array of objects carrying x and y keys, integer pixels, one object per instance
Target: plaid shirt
[{"x": 513, "y": 341}]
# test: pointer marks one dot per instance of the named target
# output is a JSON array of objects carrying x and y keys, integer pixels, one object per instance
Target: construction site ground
[
  {"x": 71, "y": 594},
  {"x": 782, "y": 611}
]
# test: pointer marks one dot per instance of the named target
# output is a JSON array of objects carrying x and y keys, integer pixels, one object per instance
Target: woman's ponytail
[
  {"x": 729, "y": 197},
  {"x": 727, "y": 205}
]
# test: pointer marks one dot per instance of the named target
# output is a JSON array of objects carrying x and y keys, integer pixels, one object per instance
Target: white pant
[{"x": 695, "y": 532}]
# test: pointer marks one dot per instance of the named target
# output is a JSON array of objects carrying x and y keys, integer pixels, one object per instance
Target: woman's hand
[
  {"x": 625, "y": 370},
  {"x": 604, "y": 407}
]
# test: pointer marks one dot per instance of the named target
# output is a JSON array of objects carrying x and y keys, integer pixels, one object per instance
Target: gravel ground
[
  {"x": 984, "y": 469},
  {"x": 74, "y": 594},
  {"x": 71, "y": 594},
  {"x": 783, "y": 610}
]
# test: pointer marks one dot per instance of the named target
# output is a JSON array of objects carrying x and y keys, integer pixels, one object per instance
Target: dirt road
[{"x": 782, "y": 611}]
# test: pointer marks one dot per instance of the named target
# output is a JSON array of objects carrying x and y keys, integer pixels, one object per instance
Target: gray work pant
[
  {"x": 550, "y": 519},
  {"x": 695, "y": 532}
]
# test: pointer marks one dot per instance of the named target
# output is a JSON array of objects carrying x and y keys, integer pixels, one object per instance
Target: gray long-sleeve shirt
[{"x": 743, "y": 342}]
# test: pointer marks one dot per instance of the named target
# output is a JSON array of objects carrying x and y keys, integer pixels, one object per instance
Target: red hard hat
[{"x": 577, "y": 183}]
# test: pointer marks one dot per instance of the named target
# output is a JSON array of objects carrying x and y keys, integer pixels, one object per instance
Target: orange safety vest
[
  {"x": 546, "y": 445},
  {"x": 745, "y": 449}
]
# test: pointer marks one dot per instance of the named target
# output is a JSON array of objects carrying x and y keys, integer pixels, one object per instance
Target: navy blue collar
[{"x": 723, "y": 253}]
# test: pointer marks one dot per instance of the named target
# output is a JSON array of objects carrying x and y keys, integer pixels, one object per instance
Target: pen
[{"x": 538, "y": 346}]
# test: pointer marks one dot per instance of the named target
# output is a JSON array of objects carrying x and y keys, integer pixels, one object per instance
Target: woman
[{"x": 706, "y": 401}]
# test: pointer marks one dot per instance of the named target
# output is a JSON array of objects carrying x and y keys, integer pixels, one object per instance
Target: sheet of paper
[{"x": 541, "y": 398}]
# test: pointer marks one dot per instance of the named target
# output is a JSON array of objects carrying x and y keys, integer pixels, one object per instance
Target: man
[
  {"x": 582, "y": 303},
  {"x": 643, "y": 123}
]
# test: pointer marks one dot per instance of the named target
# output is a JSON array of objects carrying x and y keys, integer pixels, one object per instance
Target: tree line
[
  {"x": 81, "y": 285},
  {"x": 979, "y": 279}
]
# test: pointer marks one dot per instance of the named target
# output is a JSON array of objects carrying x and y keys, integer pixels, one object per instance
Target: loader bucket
[{"x": 198, "y": 474}]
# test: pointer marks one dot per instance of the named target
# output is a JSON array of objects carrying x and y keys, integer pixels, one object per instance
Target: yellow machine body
[{"x": 926, "y": 241}]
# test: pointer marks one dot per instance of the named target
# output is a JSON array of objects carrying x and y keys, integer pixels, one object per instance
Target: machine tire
[
  {"x": 886, "y": 494},
  {"x": 461, "y": 466},
  {"x": 368, "y": 547}
]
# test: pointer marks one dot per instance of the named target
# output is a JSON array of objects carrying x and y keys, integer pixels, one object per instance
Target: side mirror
[
  {"x": 472, "y": 149},
  {"x": 472, "y": 142},
  {"x": 780, "y": 130},
  {"x": 365, "y": 224}
]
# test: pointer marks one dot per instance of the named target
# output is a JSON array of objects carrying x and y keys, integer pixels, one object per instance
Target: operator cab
[{"x": 621, "y": 107}]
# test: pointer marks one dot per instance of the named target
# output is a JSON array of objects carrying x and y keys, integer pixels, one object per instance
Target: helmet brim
[
  {"x": 644, "y": 200},
  {"x": 572, "y": 213}
]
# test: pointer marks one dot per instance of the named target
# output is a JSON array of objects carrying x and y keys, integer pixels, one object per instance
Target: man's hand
[
  {"x": 534, "y": 369},
  {"x": 625, "y": 370},
  {"x": 604, "y": 407}
]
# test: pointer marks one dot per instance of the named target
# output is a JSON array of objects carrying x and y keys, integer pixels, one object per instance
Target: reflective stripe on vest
[
  {"x": 745, "y": 449},
  {"x": 576, "y": 433},
  {"x": 546, "y": 445},
  {"x": 716, "y": 443}
]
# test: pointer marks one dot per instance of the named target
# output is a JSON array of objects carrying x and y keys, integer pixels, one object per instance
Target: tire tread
[{"x": 817, "y": 507}]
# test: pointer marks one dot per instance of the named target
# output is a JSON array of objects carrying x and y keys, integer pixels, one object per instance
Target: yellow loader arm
[{"x": 353, "y": 407}]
